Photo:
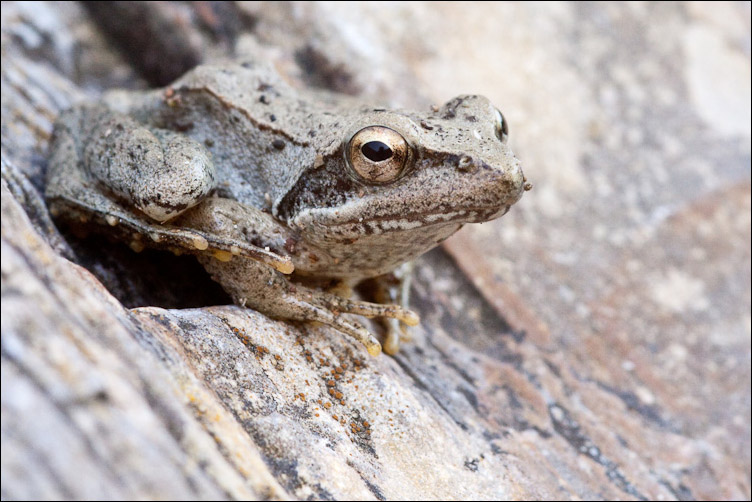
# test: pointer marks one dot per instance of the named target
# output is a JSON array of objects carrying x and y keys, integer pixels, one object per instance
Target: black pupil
[{"x": 376, "y": 151}]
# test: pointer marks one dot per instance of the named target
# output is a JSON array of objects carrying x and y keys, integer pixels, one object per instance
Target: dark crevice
[
  {"x": 449, "y": 362},
  {"x": 681, "y": 492},
  {"x": 488, "y": 333},
  {"x": 570, "y": 431},
  {"x": 422, "y": 386},
  {"x": 650, "y": 413},
  {"x": 371, "y": 486},
  {"x": 151, "y": 278}
]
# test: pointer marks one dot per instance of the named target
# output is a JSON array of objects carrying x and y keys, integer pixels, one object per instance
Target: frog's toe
[
  {"x": 392, "y": 338},
  {"x": 324, "y": 315},
  {"x": 395, "y": 318},
  {"x": 396, "y": 332},
  {"x": 404, "y": 333},
  {"x": 358, "y": 332},
  {"x": 368, "y": 309}
]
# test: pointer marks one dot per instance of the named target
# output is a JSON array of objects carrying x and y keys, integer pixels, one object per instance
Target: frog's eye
[
  {"x": 502, "y": 129},
  {"x": 377, "y": 154}
]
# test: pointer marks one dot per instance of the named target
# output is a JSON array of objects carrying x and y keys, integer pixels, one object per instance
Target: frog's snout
[{"x": 493, "y": 184}]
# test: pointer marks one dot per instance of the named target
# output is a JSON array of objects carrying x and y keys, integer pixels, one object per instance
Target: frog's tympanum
[{"x": 286, "y": 197}]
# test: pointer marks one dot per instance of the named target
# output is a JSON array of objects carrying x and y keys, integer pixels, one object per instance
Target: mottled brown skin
[{"x": 273, "y": 188}]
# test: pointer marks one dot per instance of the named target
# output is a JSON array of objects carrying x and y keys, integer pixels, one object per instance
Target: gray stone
[{"x": 593, "y": 344}]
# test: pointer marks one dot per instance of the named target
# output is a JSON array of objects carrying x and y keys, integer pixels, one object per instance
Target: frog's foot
[
  {"x": 395, "y": 318},
  {"x": 396, "y": 332},
  {"x": 311, "y": 312},
  {"x": 261, "y": 288},
  {"x": 326, "y": 308},
  {"x": 370, "y": 310},
  {"x": 394, "y": 288}
]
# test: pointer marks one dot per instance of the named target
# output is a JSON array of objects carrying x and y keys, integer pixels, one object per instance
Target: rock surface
[{"x": 594, "y": 343}]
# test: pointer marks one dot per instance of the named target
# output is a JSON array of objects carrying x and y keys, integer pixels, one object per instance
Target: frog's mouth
[
  {"x": 335, "y": 223},
  {"x": 410, "y": 220}
]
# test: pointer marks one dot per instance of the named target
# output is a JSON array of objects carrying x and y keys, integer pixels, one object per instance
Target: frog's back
[{"x": 261, "y": 132}]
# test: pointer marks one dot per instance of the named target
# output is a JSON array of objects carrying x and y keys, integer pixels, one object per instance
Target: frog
[{"x": 289, "y": 197}]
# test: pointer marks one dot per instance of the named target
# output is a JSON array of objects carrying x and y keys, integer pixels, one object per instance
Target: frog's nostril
[{"x": 466, "y": 164}]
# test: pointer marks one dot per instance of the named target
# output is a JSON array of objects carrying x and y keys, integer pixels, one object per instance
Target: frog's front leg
[{"x": 262, "y": 288}]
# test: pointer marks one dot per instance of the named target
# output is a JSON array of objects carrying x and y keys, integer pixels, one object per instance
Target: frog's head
[{"x": 401, "y": 182}]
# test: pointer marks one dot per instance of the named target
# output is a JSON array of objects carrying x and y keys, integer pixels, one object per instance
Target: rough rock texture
[{"x": 594, "y": 343}]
